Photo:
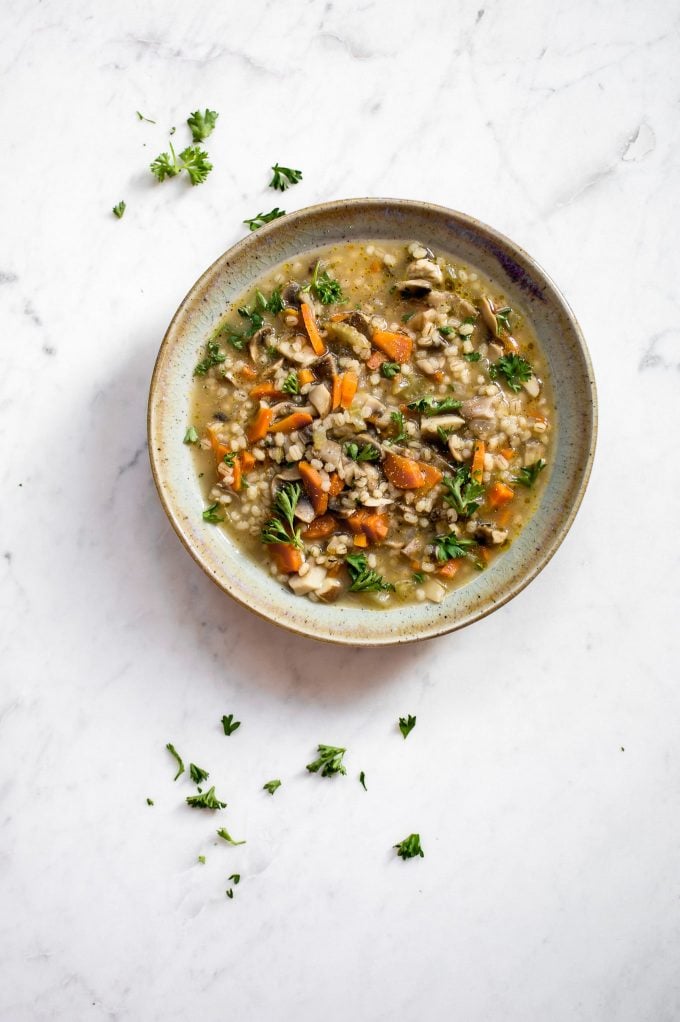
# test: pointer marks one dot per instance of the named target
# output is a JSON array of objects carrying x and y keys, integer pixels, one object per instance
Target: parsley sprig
[
  {"x": 430, "y": 405},
  {"x": 329, "y": 761},
  {"x": 180, "y": 765},
  {"x": 284, "y": 177},
  {"x": 198, "y": 774},
  {"x": 528, "y": 476},
  {"x": 449, "y": 547},
  {"x": 281, "y": 529},
  {"x": 226, "y": 836},
  {"x": 364, "y": 579},
  {"x": 193, "y": 160},
  {"x": 229, "y": 724},
  {"x": 291, "y": 384},
  {"x": 464, "y": 493},
  {"x": 264, "y": 218},
  {"x": 365, "y": 452},
  {"x": 514, "y": 369},
  {"x": 271, "y": 786},
  {"x": 400, "y": 433},
  {"x": 119, "y": 209},
  {"x": 210, "y": 514},
  {"x": 205, "y": 800},
  {"x": 324, "y": 287},
  {"x": 389, "y": 369},
  {"x": 213, "y": 357},
  {"x": 410, "y": 847},
  {"x": 407, "y": 724},
  {"x": 202, "y": 124}
]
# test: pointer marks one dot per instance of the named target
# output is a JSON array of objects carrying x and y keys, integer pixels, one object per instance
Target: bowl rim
[{"x": 548, "y": 550}]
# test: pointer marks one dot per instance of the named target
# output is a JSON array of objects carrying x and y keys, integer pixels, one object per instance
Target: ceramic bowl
[{"x": 445, "y": 231}]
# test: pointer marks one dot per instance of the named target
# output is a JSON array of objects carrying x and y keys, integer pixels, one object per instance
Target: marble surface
[{"x": 544, "y": 770}]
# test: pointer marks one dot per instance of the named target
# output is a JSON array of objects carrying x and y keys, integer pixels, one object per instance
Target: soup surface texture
[{"x": 372, "y": 422}]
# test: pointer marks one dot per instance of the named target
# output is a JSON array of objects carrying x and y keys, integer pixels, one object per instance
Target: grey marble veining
[{"x": 543, "y": 773}]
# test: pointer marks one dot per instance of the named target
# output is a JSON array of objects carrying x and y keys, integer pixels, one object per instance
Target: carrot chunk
[
  {"x": 286, "y": 557},
  {"x": 348, "y": 388},
  {"x": 432, "y": 475},
  {"x": 296, "y": 420},
  {"x": 312, "y": 329},
  {"x": 478, "y": 453},
  {"x": 337, "y": 485},
  {"x": 247, "y": 461},
  {"x": 507, "y": 453},
  {"x": 336, "y": 392},
  {"x": 248, "y": 373},
  {"x": 372, "y": 525},
  {"x": 376, "y": 360},
  {"x": 258, "y": 428},
  {"x": 312, "y": 482},
  {"x": 360, "y": 540},
  {"x": 499, "y": 494},
  {"x": 321, "y": 527},
  {"x": 265, "y": 390},
  {"x": 237, "y": 481},
  {"x": 397, "y": 347},
  {"x": 449, "y": 569},
  {"x": 404, "y": 473},
  {"x": 305, "y": 376}
]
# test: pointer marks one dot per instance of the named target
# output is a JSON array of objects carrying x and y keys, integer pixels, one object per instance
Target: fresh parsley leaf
[
  {"x": 515, "y": 370},
  {"x": 445, "y": 330},
  {"x": 364, "y": 579},
  {"x": 449, "y": 547},
  {"x": 235, "y": 877},
  {"x": 119, "y": 209},
  {"x": 201, "y": 859},
  {"x": 275, "y": 303},
  {"x": 389, "y": 369},
  {"x": 150, "y": 802},
  {"x": 212, "y": 358},
  {"x": 271, "y": 786},
  {"x": 367, "y": 452},
  {"x": 430, "y": 405},
  {"x": 410, "y": 847},
  {"x": 196, "y": 163},
  {"x": 400, "y": 428},
  {"x": 229, "y": 724},
  {"x": 444, "y": 434},
  {"x": 503, "y": 319},
  {"x": 472, "y": 356},
  {"x": 198, "y": 775},
  {"x": 205, "y": 800},
  {"x": 229, "y": 892},
  {"x": 210, "y": 515},
  {"x": 282, "y": 528},
  {"x": 180, "y": 765},
  {"x": 528, "y": 476},
  {"x": 264, "y": 218},
  {"x": 229, "y": 458},
  {"x": 418, "y": 578},
  {"x": 464, "y": 494},
  {"x": 406, "y": 725},
  {"x": 284, "y": 177},
  {"x": 362, "y": 780},
  {"x": 202, "y": 124},
  {"x": 407, "y": 315},
  {"x": 226, "y": 836},
  {"x": 191, "y": 436},
  {"x": 329, "y": 761},
  {"x": 141, "y": 117},
  {"x": 291, "y": 384},
  {"x": 324, "y": 287}
]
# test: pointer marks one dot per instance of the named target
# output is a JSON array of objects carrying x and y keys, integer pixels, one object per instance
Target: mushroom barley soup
[{"x": 371, "y": 422}]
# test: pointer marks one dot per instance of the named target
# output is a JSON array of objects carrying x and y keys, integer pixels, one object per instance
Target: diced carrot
[
  {"x": 305, "y": 376},
  {"x": 499, "y": 494},
  {"x": 312, "y": 482},
  {"x": 449, "y": 569},
  {"x": 286, "y": 557},
  {"x": 503, "y": 517},
  {"x": 237, "y": 481},
  {"x": 247, "y": 461},
  {"x": 360, "y": 540},
  {"x": 219, "y": 449},
  {"x": 257, "y": 429},
  {"x": 321, "y": 527},
  {"x": 415, "y": 565},
  {"x": 507, "y": 453},
  {"x": 432, "y": 475},
  {"x": 348, "y": 388},
  {"x": 357, "y": 519},
  {"x": 438, "y": 376},
  {"x": 337, "y": 485},
  {"x": 336, "y": 392},
  {"x": 376, "y": 527},
  {"x": 509, "y": 343},
  {"x": 375, "y": 266},
  {"x": 248, "y": 373},
  {"x": 265, "y": 390},
  {"x": 376, "y": 360},
  {"x": 296, "y": 420},
  {"x": 338, "y": 317},
  {"x": 478, "y": 453},
  {"x": 397, "y": 347},
  {"x": 404, "y": 473},
  {"x": 312, "y": 329}
]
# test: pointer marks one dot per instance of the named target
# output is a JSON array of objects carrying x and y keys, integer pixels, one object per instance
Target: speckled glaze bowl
[{"x": 443, "y": 230}]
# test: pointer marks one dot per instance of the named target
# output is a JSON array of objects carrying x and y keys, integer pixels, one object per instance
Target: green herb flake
[
  {"x": 365, "y": 452},
  {"x": 284, "y": 177},
  {"x": 282, "y": 528},
  {"x": 180, "y": 765},
  {"x": 449, "y": 547},
  {"x": 364, "y": 579},
  {"x": 141, "y": 117},
  {"x": 264, "y": 218},
  {"x": 271, "y": 786},
  {"x": 235, "y": 878},
  {"x": 191, "y": 436},
  {"x": 362, "y": 780},
  {"x": 464, "y": 493},
  {"x": 229, "y": 724},
  {"x": 472, "y": 356},
  {"x": 324, "y": 287},
  {"x": 201, "y": 859},
  {"x": 210, "y": 515},
  {"x": 430, "y": 405},
  {"x": 410, "y": 847},
  {"x": 198, "y": 775},
  {"x": 407, "y": 316},
  {"x": 291, "y": 384},
  {"x": 119, "y": 209},
  {"x": 528, "y": 476},
  {"x": 503, "y": 319},
  {"x": 399, "y": 424},
  {"x": 205, "y": 800},
  {"x": 514, "y": 369},
  {"x": 226, "y": 836},
  {"x": 213, "y": 357},
  {"x": 202, "y": 124},
  {"x": 193, "y": 160},
  {"x": 418, "y": 578},
  {"x": 389, "y": 369},
  {"x": 229, "y": 892},
  {"x": 150, "y": 802},
  {"x": 329, "y": 761},
  {"x": 406, "y": 725}
]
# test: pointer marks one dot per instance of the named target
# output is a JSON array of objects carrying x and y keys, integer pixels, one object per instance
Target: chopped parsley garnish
[
  {"x": 329, "y": 761},
  {"x": 445, "y": 330},
  {"x": 472, "y": 356},
  {"x": 193, "y": 160},
  {"x": 229, "y": 724},
  {"x": 264, "y": 218},
  {"x": 407, "y": 316},
  {"x": 449, "y": 547},
  {"x": 418, "y": 578},
  {"x": 284, "y": 177},
  {"x": 191, "y": 436},
  {"x": 515, "y": 370},
  {"x": 324, "y": 287},
  {"x": 275, "y": 303},
  {"x": 367, "y": 452},
  {"x": 528, "y": 476},
  {"x": 503, "y": 319},
  {"x": 210, "y": 514},
  {"x": 362, "y": 780},
  {"x": 282, "y": 528},
  {"x": 389, "y": 369},
  {"x": 226, "y": 836},
  {"x": 291, "y": 384},
  {"x": 202, "y": 124},
  {"x": 180, "y": 765},
  {"x": 364, "y": 579},
  {"x": 271, "y": 786},
  {"x": 119, "y": 209},
  {"x": 255, "y": 320},
  {"x": 236, "y": 877},
  {"x": 205, "y": 800},
  {"x": 430, "y": 405},
  {"x": 410, "y": 847},
  {"x": 406, "y": 725},
  {"x": 400, "y": 428},
  {"x": 212, "y": 358},
  {"x": 444, "y": 434},
  {"x": 201, "y": 859},
  {"x": 150, "y": 802},
  {"x": 229, "y": 892},
  {"x": 198, "y": 775},
  {"x": 141, "y": 117},
  {"x": 229, "y": 458},
  {"x": 464, "y": 494}
]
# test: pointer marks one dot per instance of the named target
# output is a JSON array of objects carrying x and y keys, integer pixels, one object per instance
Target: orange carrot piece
[
  {"x": 348, "y": 388},
  {"x": 219, "y": 449},
  {"x": 248, "y": 373},
  {"x": 305, "y": 376},
  {"x": 360, "y": 540},
  {"x": 336, "y": 392},
  {"x": 257, "y": 430},
  {"x": 247, "y": 461},
  {"x": 432, "y": 475},
  {"x": 507, "y": 453},
  {"x": 503, "y": 517},
  {"x": 296, "y": 420},
  {"x": 376, "y": 360},
  {"x": 237, "y": 481},
  {"x": 286, "y": 557},
  {"x": 312, "y": 482},
  {"x": 478, "y": 453},
  {"x": 509, "y": 343},
  {"x": 449, "y": 569},
  {"x": 265, "y": 390},
  {"x": 312, "y": 329},
  {"x": 376, "y": 527},
  {"x": 337, "y": 485},
  {"x": 397, "y": 347},
  {"x": 321, "y": 527},
  {"x": 338, "y": 317},
  {"x": 499, "y": 494},
  {"x": 404, "y": 473},
  {"x": 375, "y": 266}
]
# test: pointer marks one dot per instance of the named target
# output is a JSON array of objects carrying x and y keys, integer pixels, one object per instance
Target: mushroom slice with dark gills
[
  {"x": 360, "y": 322},
  {"x": 290, "y": 293},
  {"x": 259, "y": 342},
  {"x": 326, "y": 367},
  {"x": 425, "y": 269},
  {"x": 478, "y": 408},
  {"x": 414, "y": 288},
  {"x": 488, "y": 534}
]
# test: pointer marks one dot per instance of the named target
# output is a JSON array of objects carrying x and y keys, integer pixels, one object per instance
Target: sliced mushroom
[
  {"x": 326, "y": 367},
  {"x": 488, "y": 311},
  {"x": 302, "y": 585},
  {"x": 429, "y": 427},
  {"x": 329, "y": 590},
  {"x": 489, "y": 535},
  {"x": 283, "y": 408},
  {"x": 259, "y": 342},
  {"x": 434, "y": 590},
  {"x": 413, "y": 547},
  {"x": 349, "y": 335},
  {"x": 291, "y": 293},
  {"x": 425, "y": 269},
  {"x": 532, "y": 386},
  {"x": 482, "y": 428},
  {"x": 366, "y": 440},
  {"x": 304, "y": 510},
  {"x": 478, "y": 408},
  {"x": 287, "y": 475},
  {"x": 414, "y": 288},
  {"x": 373, "y": 410},
  {"x": 320, "y": 397},
  {"x": 454, "y": 450},
  {"x": 304, "y": 357},
  {"x": 360, "y": 322},
  {"x": 330, "y": 453}
]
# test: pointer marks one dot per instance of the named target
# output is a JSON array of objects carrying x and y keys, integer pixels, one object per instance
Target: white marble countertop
[{"x": 544, "y": 770}]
